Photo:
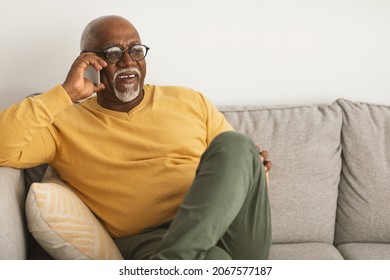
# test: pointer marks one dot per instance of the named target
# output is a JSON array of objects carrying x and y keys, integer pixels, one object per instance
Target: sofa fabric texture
[
  {"x": 12, "y": 218},
  {"x": 365, "y": 177},
  {"x": 295, "y": 139},
  {"x": 329, "y": 185}
]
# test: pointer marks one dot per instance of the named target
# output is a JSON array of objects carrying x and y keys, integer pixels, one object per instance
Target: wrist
[{"x": 71, "y": 92}]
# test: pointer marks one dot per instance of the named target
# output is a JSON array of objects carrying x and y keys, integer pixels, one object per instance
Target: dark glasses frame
[{"x": 131, "y": 51}]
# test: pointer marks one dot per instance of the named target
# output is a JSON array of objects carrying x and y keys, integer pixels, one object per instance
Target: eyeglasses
[{"x": 114, "y": 54}]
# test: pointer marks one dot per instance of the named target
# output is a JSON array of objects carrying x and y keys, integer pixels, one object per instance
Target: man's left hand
[{"x": 264, "y": 159}]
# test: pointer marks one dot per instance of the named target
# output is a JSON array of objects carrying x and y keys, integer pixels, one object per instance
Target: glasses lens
[
  {"x": 114, "y": 54},
  {"x": 137, "y": 52}
]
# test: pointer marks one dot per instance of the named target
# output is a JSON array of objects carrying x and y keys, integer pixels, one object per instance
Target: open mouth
[{"x": 127, "y": 78}]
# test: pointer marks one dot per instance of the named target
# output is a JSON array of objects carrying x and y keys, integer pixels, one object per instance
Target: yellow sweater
[{"x": 131, "y": 169}]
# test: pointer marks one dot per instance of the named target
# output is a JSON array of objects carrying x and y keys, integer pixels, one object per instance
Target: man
[{"x": 160, "y": 166}]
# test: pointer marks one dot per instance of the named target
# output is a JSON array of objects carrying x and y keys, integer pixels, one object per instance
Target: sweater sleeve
[
  {"x": 215, "y": 120},
  {"x": 26, "y": 138}
]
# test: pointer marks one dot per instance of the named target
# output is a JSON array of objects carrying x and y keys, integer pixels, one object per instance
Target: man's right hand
[{"x": 75, "y": 84}]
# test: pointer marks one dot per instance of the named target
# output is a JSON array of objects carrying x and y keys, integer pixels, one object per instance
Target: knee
[
  {"x": 236, "y": 143},
  {"x": 234, "y": 139}
]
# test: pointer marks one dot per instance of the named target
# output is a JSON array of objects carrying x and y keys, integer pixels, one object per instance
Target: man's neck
[{"x": 120, "y": 106}]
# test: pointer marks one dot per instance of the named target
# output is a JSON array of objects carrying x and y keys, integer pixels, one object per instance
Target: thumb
[{"x": 99, "y": 87}]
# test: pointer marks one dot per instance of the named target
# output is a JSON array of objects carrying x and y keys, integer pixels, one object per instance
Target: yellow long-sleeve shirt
[{"x": 131, "y": 169}]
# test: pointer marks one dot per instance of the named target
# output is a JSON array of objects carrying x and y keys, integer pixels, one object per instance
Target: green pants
[{"x": 225, "y": 215}]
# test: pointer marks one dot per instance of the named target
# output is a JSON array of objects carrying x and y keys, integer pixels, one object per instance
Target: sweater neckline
[{"x": 124, "y": 115}]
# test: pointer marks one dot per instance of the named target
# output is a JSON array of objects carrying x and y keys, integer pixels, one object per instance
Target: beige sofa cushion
[
  {"x": 63, "y": 225},
  {"x": 304, "y": 251},
  {"x": 365, "y": 251},
  {"x": 12, "y": 227},
  {"x": 304, "y": 146},
  {"x": 364, "y": 213}
]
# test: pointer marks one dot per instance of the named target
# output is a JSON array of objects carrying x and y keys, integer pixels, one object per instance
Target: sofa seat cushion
[
  {"x": 363, "y": 205},
  {"x": 304, "y": 147},
  {"x": 304, "y": 251},
  {"x": 365, "y": 251}
]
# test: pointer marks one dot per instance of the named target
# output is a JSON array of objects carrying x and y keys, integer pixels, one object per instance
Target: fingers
[
  {"x": 76, "y": 86},
  {"x": 88, "y": 58},
  {"x": 267, "y": 165},
  {"x": 264, "y": 158},
  {"x": 99, "y": 87},
  {"x": 264, "y": 154}
]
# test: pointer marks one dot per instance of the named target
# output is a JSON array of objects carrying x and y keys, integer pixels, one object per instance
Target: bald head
[{"x": 93, "y": 31}]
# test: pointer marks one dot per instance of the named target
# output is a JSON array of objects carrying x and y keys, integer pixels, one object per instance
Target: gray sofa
[{"x": 329, "y": 185}]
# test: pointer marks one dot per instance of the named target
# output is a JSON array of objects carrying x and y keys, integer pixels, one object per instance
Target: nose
[{"x": 126, "y": 60}]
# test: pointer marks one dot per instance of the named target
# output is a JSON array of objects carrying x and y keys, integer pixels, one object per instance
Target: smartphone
[{"x": 91, "y": 74}]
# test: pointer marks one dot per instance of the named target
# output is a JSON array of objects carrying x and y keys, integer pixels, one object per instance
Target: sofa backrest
[
  {"x": 304, "y": 146},
  {"x": 12, "y": 219},
  {"x": 364, "y": 199}
]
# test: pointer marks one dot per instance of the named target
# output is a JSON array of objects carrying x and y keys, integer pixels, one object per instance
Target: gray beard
[
  {"x": 128, "y": 95},
  {"x": 130, "y": 92}
]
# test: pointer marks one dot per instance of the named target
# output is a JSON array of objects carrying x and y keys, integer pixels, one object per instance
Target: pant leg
[
  {"x": 227, "y": 205},
  {"x": 145, "y": 244},
  {"x": 140, "y": 246}
]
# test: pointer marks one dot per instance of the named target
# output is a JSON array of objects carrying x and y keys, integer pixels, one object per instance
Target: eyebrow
[{"x": 118, "y": 45}]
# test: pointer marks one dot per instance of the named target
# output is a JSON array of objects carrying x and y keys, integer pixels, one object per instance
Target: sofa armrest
[{"x": 12, "y": 215}]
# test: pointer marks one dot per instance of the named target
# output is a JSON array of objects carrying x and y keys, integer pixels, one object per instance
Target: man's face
[{"x": 124, "y": 80}]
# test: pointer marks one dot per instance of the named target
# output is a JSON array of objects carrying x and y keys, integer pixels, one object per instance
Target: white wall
[{"x": 235, "y": 51}]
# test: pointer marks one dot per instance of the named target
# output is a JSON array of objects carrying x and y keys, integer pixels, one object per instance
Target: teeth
[{"x": 126, "y": 76}]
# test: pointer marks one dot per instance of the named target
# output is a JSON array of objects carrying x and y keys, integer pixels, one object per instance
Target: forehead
[{"x": 115, "y": 32}]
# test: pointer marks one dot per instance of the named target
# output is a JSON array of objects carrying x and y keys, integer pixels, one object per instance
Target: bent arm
[{"x": 26, "y": 139}]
